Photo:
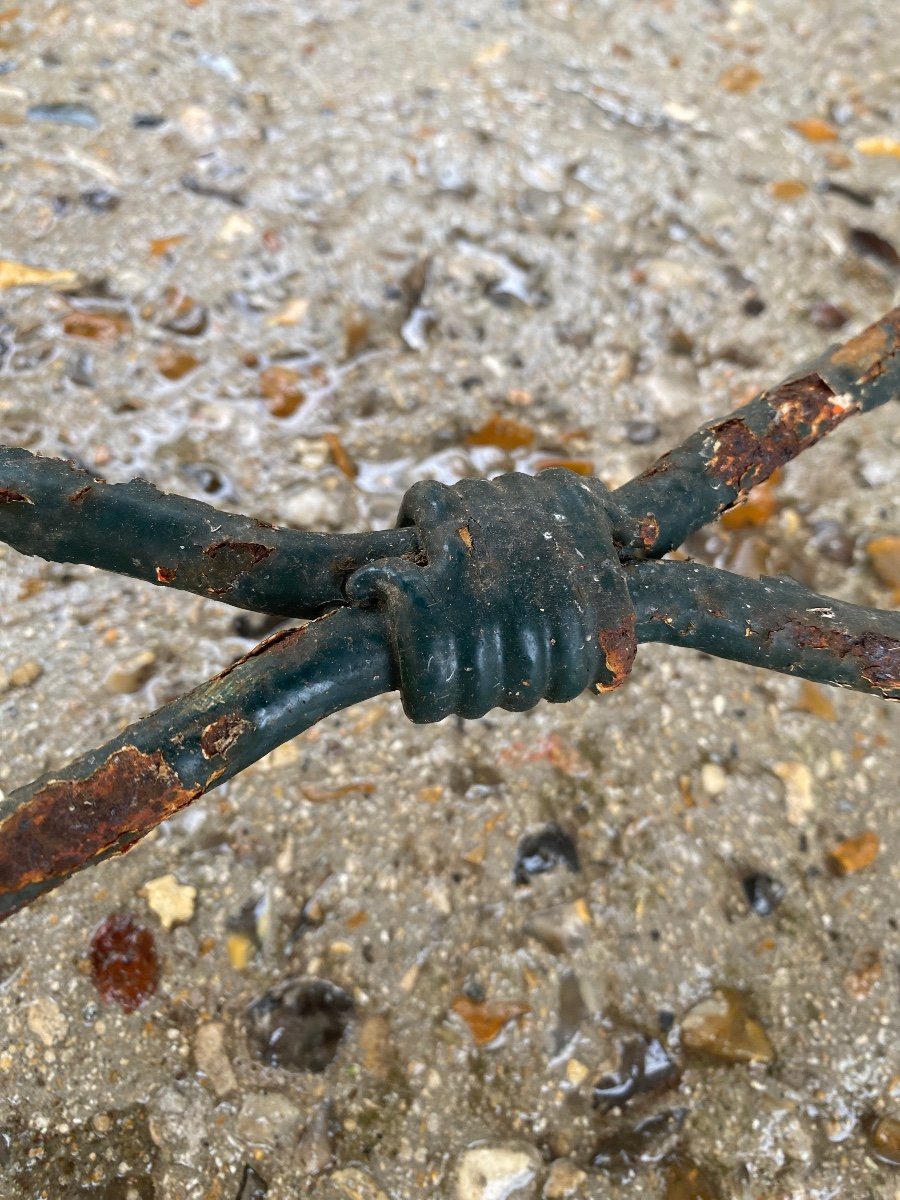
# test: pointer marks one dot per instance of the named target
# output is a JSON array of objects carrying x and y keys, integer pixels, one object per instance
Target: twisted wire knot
[{"x": 521, "y": 596}]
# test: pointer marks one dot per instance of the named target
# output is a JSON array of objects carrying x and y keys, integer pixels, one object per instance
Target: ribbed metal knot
[{"x": 517, "y": 595}]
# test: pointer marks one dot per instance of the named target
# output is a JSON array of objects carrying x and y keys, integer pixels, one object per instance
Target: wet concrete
[{"x": 312, "y": 252}]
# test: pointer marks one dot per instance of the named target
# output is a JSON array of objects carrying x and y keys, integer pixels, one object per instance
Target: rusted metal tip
[
  {"x": 619, "y": 648},
  {"x": 875, "y": 656},
  {"x": 802, "y": 411},
  {"x": 68, "y": 824},
  {"x": 868, "y": 365}
]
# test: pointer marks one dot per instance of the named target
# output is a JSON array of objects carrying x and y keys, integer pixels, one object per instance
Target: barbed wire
[{"x": 488, "y": 594}]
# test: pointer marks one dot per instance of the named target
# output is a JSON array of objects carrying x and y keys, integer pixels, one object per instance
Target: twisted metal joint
[{"x": 521, "y": 597}]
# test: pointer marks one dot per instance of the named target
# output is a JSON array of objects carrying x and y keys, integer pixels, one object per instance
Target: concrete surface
[{"x": 626, "y": 235}]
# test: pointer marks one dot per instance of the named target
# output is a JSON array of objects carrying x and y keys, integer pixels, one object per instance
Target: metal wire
[{"x": 107, "y": 800}]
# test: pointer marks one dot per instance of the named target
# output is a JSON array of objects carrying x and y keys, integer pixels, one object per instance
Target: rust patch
[
  {"x": 8, "y": 496},
  {"x": 804, "y": 411},
  {"x": 874, "y": 372},
  {"x": 877, "y": 655},
  {"x": 662, "y": 464},
  {"x": 230, "y": 560},
  {"x": 69, "y": 823},
  {"x": 78, "y": 496},
  {"x": 220, "y": 735},
  {"x": 863, "y": 351},
  {"x": 648, "y": 530},
  {"x": 280, "y": 635},
  {"x": 166, "y": 574},
  {"x": 619, "y": 647},
  {"x": 252, "y": 550},
  {"x": 862, "y": 360}
]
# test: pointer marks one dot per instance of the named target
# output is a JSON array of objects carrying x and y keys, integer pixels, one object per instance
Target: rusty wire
[{"x": 104, "y": 802}]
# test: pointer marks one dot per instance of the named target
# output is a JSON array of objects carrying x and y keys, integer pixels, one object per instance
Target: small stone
[
  {"x": 292, "y": 313},
  {"x": 65, "y": 113},
  {"x": 572, "y": 1009},
  {"x": 644, "y": 1066},
  {"x": 713, "y": 779},
  {"x": 198, "y": 125},
  {"x": 884, "y": 1141},
  {"x": 684, "y": 114},
  {"x": 488, "y": 1019},
  {"x": 357, "y": 332},
  {"x": 721, "y": 1026},
  {"x": 182, "y": 314},
  {"x": 80, "y": 369},
  {"x": 267, "y": 1118},
  {"x": 814, "y": 129},
  {"x": 173, "y": 902},
  {"x": 374, "y": 1041},
  {"x": 173, "y": 363},
  {"x": 235, "y": 226},
  {"x": 417, "y": 327},
  {"x": 565, "y": 1180},
  {"x": 741, "y": 78},
  {"x": 46, "y": 1020},
  {"x": 764, "y": 893},
  {"x": 103, "y": 327},
  {"x": 576, "y": 1072},
  {"x": 816, "y": 701},
  {"x": 505, "y": 433},
  {"x": 797, "y": 780},
  {"x": 311, "y": 509},
  {"x": 131, "y": 676},
  {"x": 542, "y": 850},
  {"x": 787, "y": 189},
  {"x": 879, "y": 145},
  {"x": 869, "y": 244},
  {"x": 316, "y": 1147},
  {"x": 124, "y": 963},
  {"x": 179, "y": 1118},
  {"x": 828, "y": 316},
  {"x": 143, "y": 120},
  {"x": 352, "y": 1183},
  {"x": 498, "y": 1173},
  {"x": 25, "y": 674},
  {"x": 854, "y": 854},
  {"x": 884, "y": 557},
  {"x": 212, "y": 1059},
  {"x": 280, "y": 388},
  {"x": 240, "y": 950},
  {"x": 102, "y": 200},
  {"x": 562, "y": 928},
  {"x": 299, "y": 1025},
  {"x": 17, "y": 274}
]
